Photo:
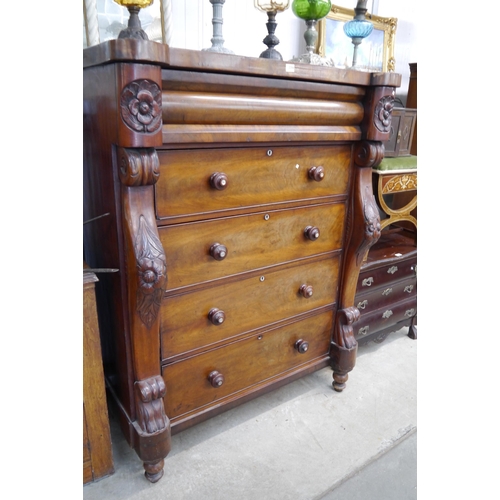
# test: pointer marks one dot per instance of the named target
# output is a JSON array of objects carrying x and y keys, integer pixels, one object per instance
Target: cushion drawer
[
  {"x": 255, "y": 176},
  {"x": 252, "y": 241},
  {"x": 246, "y": 304},
  {"x": 385, "y": 317},
  {"x": 393, "y": 292},
  {"x": 374, "y": 277},
  {"x": 243, "y": 364}
]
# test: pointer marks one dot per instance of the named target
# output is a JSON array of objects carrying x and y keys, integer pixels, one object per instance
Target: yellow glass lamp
[{"x": 134, "y": 28}]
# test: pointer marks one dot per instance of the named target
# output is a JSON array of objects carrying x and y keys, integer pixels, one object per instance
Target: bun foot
[
  {"x": 339, "y": 380},
  {"x": 154, "y": 472}
]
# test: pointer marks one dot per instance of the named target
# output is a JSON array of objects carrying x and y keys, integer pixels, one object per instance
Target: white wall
[{"x": 244, "y": 27}]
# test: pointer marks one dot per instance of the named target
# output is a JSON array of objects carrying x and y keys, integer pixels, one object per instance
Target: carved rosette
[
  {"x": 140, "y": 106},
  {"x": 151, "y": 272},
  {"x": 383, "y": 113},
  {"x": 139, "y": 167},
  {"x": 151, "y": 411}
]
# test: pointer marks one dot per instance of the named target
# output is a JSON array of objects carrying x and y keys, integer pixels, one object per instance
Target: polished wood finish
[
  {"x": 97, "y": 454},
  {"x": 241, "y": 209},
  {"x": 411, "y": 102}
]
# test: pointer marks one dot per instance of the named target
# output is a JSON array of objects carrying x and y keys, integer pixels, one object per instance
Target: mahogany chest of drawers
[
  {"x": 237, "y": 205},
  {"x": 386, "y": 295}
]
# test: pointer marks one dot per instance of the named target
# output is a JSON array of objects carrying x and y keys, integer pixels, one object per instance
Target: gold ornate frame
[
  {"x": 90, "y": 19},
  {"x": 387, "y": 25}
]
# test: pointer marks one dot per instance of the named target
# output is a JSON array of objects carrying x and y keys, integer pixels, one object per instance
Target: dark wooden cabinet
[
  {"x": 386, "y": 295},
  {"x": 401, "y": 134},
  {"x": 238, "y": 207}
]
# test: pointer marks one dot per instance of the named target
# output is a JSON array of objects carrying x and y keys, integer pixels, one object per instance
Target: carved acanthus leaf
[{"x": 151, "y": 272}]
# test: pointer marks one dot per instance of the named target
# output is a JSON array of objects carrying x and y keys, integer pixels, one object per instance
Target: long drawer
[
  {"x": 192, "y": 384},
  {"x": 386, "y": 316},
  {"x": 200, "y": 182},
  {"x": 393, "y": 292},
  {"x": 196, "y": 320},
  {"x": 374, "y": 277},
  {"x": 251, "y": 242}
]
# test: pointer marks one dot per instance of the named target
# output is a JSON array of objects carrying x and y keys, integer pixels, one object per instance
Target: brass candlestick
[{"x": 134, "y": 28}]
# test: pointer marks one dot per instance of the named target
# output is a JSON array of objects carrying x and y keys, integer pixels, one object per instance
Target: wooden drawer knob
[
  {"x": 218, "y": 251},
  {"x": 218, "y": 180},
  {"x": 215, "y": 378},
  {"x": 311, "y": 233},
  {"x": 306, "y": 291},
  {"x": 316, "y": 173},
  {"x": 302, "y": 346},
  {"x": 216, "y": 316}
]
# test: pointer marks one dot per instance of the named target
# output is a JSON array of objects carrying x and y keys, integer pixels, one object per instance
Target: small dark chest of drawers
[{"x": 386, "y": 295}]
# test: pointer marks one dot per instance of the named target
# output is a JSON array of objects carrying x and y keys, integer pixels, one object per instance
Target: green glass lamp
[{"x": 311, "y": 11}]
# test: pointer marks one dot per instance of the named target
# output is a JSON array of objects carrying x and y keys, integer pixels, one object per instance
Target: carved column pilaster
[
  {"x": 146, "y": 266},
  {"x": 363, "y": 227}
]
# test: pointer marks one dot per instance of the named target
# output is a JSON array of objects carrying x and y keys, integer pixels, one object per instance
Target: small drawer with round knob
[
  {"x": 316, "y": 173},
  {"x": 302, "y": 346},
  {"x": 306, "y": 291},
  {"x": 311, "y": 233},
  {"x": 218, "y": 251},
  {"x": 218, "y": 180},
  {"x": 215, "y": 378},
  {"x": 216, "y": 316}
]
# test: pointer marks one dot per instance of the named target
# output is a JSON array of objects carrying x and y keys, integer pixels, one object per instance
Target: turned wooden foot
[
  {"x": 339, "y": 380},
  {"x": 154, "y": 471}
]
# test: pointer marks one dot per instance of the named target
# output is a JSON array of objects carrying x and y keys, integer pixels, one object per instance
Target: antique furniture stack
[
  {"x": 237, "y": 204},
  {"x": 386, "y": 294}
]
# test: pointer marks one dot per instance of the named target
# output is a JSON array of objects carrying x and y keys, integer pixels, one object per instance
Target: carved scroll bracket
[
  {"x": 369, "y": 154},
  {"x": 139, "y": 166},
  {"x": 151, "y": 412},
  {"x": 154, "y": 425}
]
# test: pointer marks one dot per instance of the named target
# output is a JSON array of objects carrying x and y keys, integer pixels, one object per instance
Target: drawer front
[
  {"x": 381, "y": 276},
  {"x": 243, "y": 364},
  {"x": 252, "y": 242},
  {"x": 385, "y": 317},
  {"x": 389, "y": 294},
  {"x": 253, "y": 176},
  {"x": 191, "y": 321}
]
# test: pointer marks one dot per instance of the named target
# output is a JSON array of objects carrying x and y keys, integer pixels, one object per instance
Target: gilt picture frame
[
  {"x": 375, "y": 53},
  {"x": 159, "y": 30}
]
